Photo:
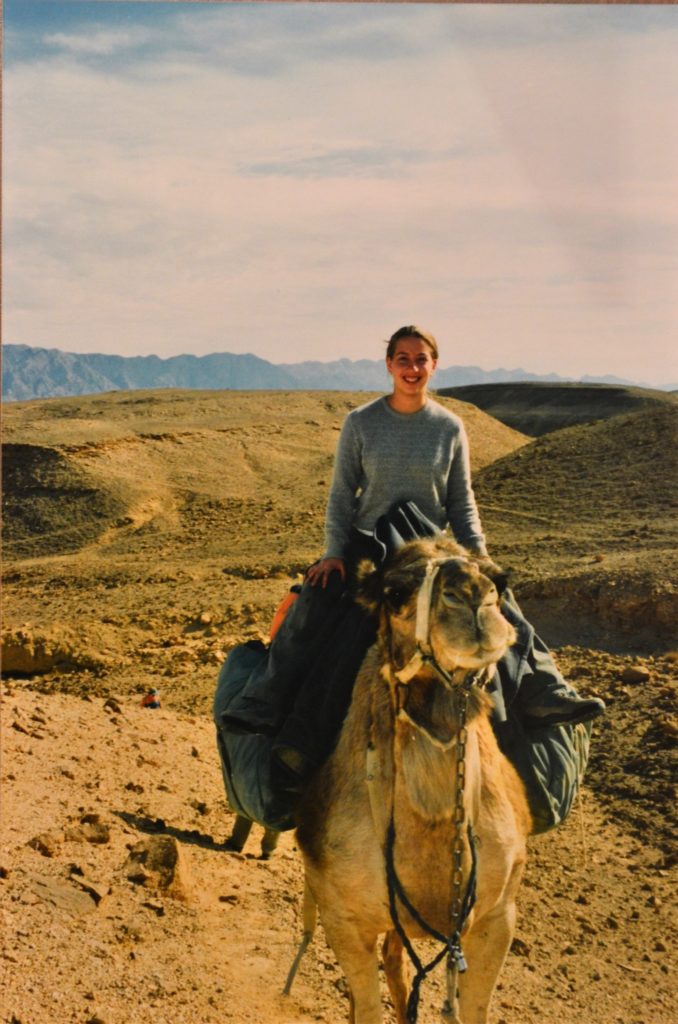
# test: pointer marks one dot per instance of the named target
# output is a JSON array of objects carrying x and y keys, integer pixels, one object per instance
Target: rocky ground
[{"x": 145, "y": 534}]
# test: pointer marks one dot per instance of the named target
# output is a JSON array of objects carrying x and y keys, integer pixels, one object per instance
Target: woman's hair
[{"x": 410, "y": 332}]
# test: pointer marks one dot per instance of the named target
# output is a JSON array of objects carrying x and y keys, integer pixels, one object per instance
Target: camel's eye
[
  {"x": 396, "y": 598},
  {"x": 453, "y": 597}
]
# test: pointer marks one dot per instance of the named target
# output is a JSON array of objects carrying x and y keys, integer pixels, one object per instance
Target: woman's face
[{"x": 411, "y": 367}]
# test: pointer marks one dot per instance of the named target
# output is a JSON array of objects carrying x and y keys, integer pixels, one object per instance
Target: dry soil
[{"x": 145, "y": 535}]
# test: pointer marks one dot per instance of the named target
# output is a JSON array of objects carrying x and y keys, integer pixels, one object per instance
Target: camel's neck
[{"x": 422, "y": 741}]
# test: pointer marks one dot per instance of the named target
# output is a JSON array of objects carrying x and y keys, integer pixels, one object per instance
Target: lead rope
[{"x": 460, "y": 909}]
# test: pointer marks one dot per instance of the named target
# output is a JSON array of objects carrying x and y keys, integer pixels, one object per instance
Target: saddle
[{"x": 292, "y": 695}]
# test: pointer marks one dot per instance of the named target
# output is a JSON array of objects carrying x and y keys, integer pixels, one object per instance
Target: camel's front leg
[
  {"x": 357, "y": 958},
  {"x": 485, "y": 948},
  {"x": 394, "y": 969}
]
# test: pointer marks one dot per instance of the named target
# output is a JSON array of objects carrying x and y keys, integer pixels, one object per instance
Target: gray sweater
[{"x": 385, "y": 456}]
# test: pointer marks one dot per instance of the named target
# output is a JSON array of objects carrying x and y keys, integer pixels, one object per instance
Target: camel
[{"x": 417, "y": 791}]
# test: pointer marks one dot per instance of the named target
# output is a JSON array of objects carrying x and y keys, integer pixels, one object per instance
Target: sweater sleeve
[
  {"x": 341, "y": 505},
  {"x": 462, "y": 511}
]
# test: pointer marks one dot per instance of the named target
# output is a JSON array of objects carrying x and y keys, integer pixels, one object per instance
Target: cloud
[
  {"x": 297, "y": 180},
  {"x": 98, "y": 44}
]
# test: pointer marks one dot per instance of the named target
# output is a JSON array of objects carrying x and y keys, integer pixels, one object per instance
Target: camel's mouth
[
  {"x": 460, "y": 639},
  {"x": 474, "y": 657}
]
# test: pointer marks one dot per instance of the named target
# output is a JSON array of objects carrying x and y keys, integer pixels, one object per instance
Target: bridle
[
  {"x": 423, "y": 656},
  {"x": 462, "y": 901}
]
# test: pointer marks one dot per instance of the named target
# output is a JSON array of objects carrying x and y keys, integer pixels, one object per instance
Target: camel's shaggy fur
[{"x": 341, "y": 836}]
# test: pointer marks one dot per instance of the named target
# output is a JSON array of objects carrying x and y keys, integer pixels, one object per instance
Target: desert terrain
[{"x": 147, "y": 533}]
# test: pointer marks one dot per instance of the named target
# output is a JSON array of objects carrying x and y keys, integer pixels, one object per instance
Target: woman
[
  {"x": 402, "y": 447},
  {"x": 401, "y": 451}
]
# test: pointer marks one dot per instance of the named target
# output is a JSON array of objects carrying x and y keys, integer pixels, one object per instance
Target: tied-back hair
[{"x": 411, "y": 332}]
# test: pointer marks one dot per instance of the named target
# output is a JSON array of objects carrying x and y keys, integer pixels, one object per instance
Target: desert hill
[
  {"x": 147, "y": 533},
  {"x": 213, "y": 470},
  {"x": 538, "y": 408},
  {"x": 587, "y": 517}
]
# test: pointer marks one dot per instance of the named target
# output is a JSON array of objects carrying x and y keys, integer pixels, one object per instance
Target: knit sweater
[{"x": 385, "y": 456}]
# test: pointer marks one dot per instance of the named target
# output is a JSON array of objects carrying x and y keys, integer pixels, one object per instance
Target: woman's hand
[{"x": 320, "y": 571}]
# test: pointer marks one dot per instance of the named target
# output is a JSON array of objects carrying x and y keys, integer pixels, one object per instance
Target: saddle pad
[{"x": 246, "y": 756}]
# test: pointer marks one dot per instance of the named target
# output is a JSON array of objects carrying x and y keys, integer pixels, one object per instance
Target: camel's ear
[
  {"x": 369, "y": 586},
  {"x": 500, "y": 577}
]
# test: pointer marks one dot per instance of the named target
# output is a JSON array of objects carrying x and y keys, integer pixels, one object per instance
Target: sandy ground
[
  {"x": 147, "y": 534},
  {"x": 85, "y": 782}
]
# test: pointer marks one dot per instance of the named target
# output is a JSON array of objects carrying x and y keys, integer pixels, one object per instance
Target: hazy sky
[{"x": 299, "y": 180}]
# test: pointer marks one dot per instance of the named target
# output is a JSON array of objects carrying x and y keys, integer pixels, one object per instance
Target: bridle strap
[
  {"x": 423, "y": 655},
  {"x": 424, "y": 597},
  {"x": 422, "y": 651}
]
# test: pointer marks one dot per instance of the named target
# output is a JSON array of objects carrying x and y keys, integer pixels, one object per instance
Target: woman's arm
[
  {"x": 341, "y": 504},
  {"x": 340, "y": 508},
  {"x": 462, "y": 511}
]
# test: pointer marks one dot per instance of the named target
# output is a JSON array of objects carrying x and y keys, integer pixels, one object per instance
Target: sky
[{"x": 299, "y": 180}]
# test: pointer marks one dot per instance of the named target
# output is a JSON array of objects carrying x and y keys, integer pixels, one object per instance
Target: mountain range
[{"x": 30, "y": 372}]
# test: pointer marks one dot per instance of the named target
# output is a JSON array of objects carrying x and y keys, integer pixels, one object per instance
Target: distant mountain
[{"x": 46, "y": 373}]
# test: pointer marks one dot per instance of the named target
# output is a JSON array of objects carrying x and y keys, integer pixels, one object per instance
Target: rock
[
  {"x": 158, "y": 863},
  {"x": 65, "y": 897},
  {"x": 669, "y": 728},
  {"x": 91, "y": 829},
  {"x": 520, "y": 947},
  {"x": 195, "y": 752},
  {"x": 155, "y": 906},
  {"x": 113, "y": 706},
  {"x": 97, "y": 890},
  {"x": 635, "y": 674},
  {"x": 205, "y": 618},
  {"x": 28, "y": 652},
  {"x": 46, "y": 843}
]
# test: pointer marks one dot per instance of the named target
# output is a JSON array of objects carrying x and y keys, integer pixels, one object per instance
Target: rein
[{"x": 451, "y": 944}]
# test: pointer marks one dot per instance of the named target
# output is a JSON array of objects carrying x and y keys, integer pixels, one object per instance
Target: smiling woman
[
  {"x": 411, "y": 360},
  {"x": 402, "y": 447}
]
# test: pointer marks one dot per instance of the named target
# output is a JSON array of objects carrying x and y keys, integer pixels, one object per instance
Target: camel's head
[{"x": 435, "y": 597}]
